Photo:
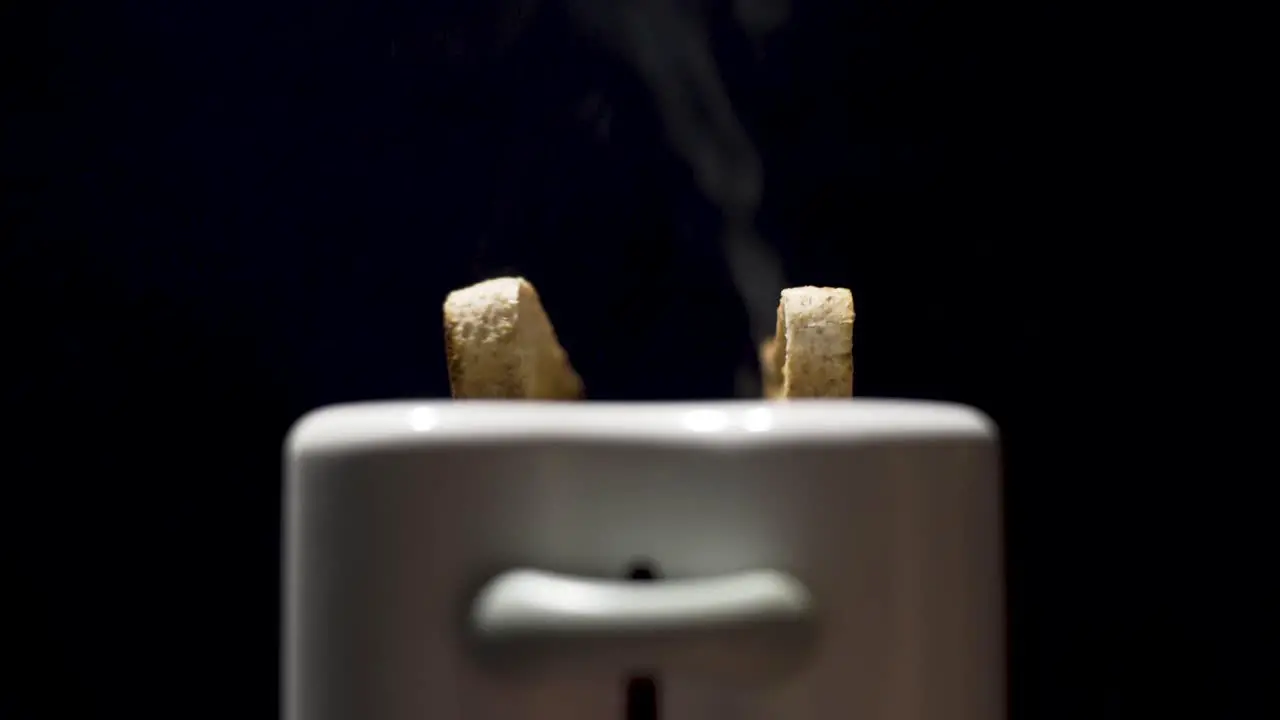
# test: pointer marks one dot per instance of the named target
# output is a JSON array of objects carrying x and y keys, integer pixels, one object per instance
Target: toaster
[{"x": 489, "y": 560}]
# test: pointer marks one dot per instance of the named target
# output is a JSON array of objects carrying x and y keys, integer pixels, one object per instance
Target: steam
[
  {"x": 761, "y": 17},
  {"x": 667, "y": 44}
]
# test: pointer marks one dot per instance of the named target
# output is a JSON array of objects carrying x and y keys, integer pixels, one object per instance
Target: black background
[{"x": 218, "y": 216}]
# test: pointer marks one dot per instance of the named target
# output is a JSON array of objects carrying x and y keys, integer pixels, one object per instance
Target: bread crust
[
  {"x": 499, "y": 344},
  {"x": 811, "y": 354}
]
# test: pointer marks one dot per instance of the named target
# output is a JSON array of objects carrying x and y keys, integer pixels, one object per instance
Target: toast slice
[
  {"x": 500, "y": 344},
  {"x": 811, "y": 354}
]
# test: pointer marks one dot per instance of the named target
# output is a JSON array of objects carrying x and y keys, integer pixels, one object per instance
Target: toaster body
[{"x": 475, "y": 561}]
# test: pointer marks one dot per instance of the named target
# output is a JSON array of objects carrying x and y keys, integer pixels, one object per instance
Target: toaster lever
[{"x": 731, "y": 622}]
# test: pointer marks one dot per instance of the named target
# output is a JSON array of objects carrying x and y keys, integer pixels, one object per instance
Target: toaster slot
[{"x": 643, "y": 696}]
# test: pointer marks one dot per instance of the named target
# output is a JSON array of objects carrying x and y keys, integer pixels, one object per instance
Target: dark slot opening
[
  {"x": 642, "y": 698},
  {"x": 643, "y": 691},
  {"x": 642, "y": 570}
]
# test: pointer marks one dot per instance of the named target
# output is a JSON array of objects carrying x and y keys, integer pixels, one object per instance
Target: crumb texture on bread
[
  {"x": 812, "y": 354},
  {"x": 500, "y": 343}
]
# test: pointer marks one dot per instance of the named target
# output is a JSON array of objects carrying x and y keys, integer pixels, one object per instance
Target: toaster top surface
[{"x": 374, "y": 425}]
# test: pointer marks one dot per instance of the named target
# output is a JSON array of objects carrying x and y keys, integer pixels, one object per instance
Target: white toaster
[{"x": 631, "y": 561}]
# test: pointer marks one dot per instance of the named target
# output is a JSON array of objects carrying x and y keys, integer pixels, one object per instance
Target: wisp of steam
[{"x": 667, "y": 43}]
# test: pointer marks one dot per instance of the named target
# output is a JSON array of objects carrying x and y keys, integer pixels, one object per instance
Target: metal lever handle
[{"x": 721, "y": 623}]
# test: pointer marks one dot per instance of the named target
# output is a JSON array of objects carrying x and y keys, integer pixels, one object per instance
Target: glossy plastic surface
[{"x": 887, "y": 513}]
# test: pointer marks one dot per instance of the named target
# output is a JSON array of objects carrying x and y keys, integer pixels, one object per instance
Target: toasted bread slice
[
  {"x": 811, "y": 356},
  {"x": 500, "y": 344},
  {"x": 771, "y": 366}
]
